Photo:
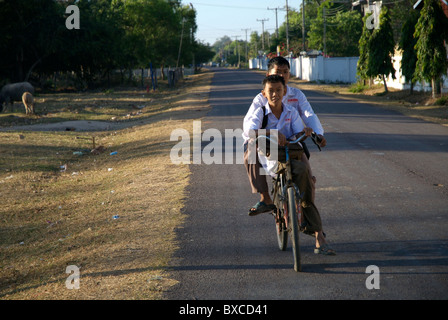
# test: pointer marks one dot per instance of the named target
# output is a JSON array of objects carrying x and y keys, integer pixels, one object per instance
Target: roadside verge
[{"x": 111, "y": 214}]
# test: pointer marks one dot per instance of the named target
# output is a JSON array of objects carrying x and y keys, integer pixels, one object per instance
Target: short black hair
[
  {"x": 278, "y": 61},
  {"x": 274, "y": 79}
]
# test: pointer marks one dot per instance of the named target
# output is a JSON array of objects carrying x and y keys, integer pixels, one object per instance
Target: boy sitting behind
[
  {"x": 284, "y": 120},
  {"x": 297, "y": 100}
]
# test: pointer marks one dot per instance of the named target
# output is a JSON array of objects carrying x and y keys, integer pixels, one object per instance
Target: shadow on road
[{"x": 392, "y": 257}]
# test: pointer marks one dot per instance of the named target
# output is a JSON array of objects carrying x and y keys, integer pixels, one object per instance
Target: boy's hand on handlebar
[
  {"x": 308, "y": 132},
  {"x": 281, "y": 139},
  {"x": 322, "y": 140},
  {"x": 317, "y": 138}
]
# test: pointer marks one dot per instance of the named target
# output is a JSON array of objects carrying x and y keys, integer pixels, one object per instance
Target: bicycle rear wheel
[{"x": 294, "y": 228}]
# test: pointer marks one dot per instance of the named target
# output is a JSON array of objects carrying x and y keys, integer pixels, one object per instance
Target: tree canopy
[
  {"x": 407, "y": 44},
  {"x": 381, "y": 48},
  {"x": 431, "y": 31},
  {"x": 336, "y": 31},
  {"x": 113, "y": 34}
]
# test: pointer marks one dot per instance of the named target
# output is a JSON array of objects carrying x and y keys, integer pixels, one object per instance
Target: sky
[{"x": 218, "y": 18}]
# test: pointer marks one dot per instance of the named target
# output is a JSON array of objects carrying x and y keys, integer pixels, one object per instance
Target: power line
[{"x": 225, "y": 6}]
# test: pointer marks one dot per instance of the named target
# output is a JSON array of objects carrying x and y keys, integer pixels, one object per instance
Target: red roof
[
  {"x": 444, "y": 3},
  {"x": 445, "y": 6}
]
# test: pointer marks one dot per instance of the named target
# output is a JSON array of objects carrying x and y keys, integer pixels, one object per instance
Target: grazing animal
[
  {"x": 14, "y": 92},
  {"x": 28, "y": 102}
]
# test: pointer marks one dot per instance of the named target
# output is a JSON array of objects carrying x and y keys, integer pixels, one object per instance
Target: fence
[
  {"x": 318, "y": 68},
  {"x": 172, "y": 74},
  {"x": 146, "y": 73},
  {"x": 400, "y": 83},
  {"x": 340, "y": 70}
]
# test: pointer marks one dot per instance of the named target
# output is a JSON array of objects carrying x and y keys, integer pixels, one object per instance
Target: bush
[
  {"x": 442, "y": 101},
  {"x": 357, "y": 87}
]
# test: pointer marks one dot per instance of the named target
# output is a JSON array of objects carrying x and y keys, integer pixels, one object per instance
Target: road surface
[{"x": 382, "y": 190}]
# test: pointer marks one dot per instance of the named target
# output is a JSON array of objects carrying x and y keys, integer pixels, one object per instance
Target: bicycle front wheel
[
  {"x": 280, "y": 226},
  {"x": 293, "y": 224}
]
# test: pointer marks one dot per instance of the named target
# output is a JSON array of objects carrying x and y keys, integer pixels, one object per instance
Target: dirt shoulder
[{"x": 111, "y": 214}]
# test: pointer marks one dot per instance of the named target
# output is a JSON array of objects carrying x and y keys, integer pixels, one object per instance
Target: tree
[
  {"x": 362, "y": 66},
  {"x": 188, "y": 45},
  {"x": 154, "y": 29},
  {"x": 94, "y": 49},
  {"x": 337, "y": 33},
  {"x": 431, "y": 32},
  {"x": 28, "y": 35},
  {"x": 228, "y": 51},
  {"x": 114, "y": 34},
  {"x": 399, "y": 14},
  {"x": 381, "y": 49},
  {"x": 295, "y": 27},
  {"x": 407, "y": 44},
  {"x": 203, "y": 53}
]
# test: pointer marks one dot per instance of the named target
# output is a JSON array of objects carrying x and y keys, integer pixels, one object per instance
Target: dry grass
[
  {"x": 116, "y": 105},
  {"x": 50, "y": 219}
]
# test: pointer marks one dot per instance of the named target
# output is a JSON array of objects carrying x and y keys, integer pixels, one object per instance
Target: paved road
[{"x": 382, "y": 192}]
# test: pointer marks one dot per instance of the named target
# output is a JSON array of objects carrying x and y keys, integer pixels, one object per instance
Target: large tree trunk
[
  {"x": 385, "y": 84},
  {"x": 433, "y": 85},
  {"x": 162, "y": 70}
]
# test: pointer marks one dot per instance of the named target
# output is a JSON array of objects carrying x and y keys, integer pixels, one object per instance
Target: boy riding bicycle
[
  {"x": 283, "y": 120},
  {"x": 296, "y": 99}
]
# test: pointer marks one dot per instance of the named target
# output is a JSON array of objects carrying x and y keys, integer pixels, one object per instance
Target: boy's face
[
  {"x": 282, "y": 71},
  {"x": 274, "y": 92}
]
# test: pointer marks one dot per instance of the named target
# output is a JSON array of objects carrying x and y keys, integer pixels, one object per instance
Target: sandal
[
  {"x": 261, "y": 207},
  {"x": 325, "y": 250}
]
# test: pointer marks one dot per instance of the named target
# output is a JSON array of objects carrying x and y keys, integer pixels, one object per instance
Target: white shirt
[
  {"x": 288, "y": 124},
  {"x": 295, "y": 98}
]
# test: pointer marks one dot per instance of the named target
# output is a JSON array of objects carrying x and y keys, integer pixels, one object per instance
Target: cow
[
  {"x": 28, "y": 102},
  {"x": 14, "y": 92}
]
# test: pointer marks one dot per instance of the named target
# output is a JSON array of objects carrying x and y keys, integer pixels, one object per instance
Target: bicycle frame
[
  {"x": 288, "y": 181},
  {"x": 281, "y": 185},
  {"x": 287, "y": 197},
  {"x": 287, "y": 201}
]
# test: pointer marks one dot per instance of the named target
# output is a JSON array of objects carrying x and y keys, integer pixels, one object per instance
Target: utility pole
[
  {"x": 325, "y": 31},
  {"x": 262, "y": 28},
  {"x": 180, "y": 44},
  {"x": 287, "y": 24},
  {"x": 237, "y": 50},
  {"x": 247, "y": 59},
  {"x": 287, "y": 28},
  {"x": 303, "y": 25},
  {"x": 276, "y": 19}
]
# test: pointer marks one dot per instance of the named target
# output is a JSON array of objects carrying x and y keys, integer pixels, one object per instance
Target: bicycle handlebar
[{"x": 316, "y": 139}]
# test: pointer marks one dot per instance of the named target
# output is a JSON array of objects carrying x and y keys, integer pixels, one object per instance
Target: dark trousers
[{"x": 302, "y": 178}]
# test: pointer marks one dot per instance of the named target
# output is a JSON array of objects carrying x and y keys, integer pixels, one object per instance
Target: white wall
[
  {"x": 317, "y": 69},
  {"x": 400, "y": 83},
  {"x": 340, "y": 70}
]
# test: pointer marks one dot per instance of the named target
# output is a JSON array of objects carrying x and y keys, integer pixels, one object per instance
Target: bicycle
[{"x": 287, "y": 196}]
